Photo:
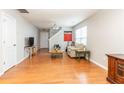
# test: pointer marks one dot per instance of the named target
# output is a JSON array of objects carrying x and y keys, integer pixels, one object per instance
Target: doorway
[{"x": 44, "y": 39}]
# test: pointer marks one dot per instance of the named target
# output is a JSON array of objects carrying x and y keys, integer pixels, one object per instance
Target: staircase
[
  {"x": 56, "y": 37},
  {"x": 52, "y": 32}
]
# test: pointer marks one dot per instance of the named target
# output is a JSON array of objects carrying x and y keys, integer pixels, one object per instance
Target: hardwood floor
[{"x": 41, "y": 69}]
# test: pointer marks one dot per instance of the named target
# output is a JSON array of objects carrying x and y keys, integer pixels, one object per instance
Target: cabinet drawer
[{"x": 119, "y": 71}]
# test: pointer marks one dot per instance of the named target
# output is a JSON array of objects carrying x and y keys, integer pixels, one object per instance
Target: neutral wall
[
  {"x": 58, "y": 38},
  {"x": 0, "y": 45},
  {"x": 24, "y": 29},
  {"x": 105, "y": 34}
]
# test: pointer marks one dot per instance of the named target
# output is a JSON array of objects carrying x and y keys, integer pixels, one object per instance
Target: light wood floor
[{"x": 42, "y": 69}]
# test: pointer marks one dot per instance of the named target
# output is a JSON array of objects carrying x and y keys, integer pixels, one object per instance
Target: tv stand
[{"x": 31, "y": 50}]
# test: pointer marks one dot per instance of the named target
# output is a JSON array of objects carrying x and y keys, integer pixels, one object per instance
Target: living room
[{"x": 87, "y": 33}]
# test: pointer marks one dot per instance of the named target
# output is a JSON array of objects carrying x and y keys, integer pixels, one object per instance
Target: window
[{"x": 81, "y": 35}]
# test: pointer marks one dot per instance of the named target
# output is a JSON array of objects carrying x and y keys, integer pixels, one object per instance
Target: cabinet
[{"x": 116, "y": 68}]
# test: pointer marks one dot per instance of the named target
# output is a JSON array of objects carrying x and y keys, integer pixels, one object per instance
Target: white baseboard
[
  {"x": 1, "y": 73},
  {"x": 22, "y": 59},
  {"x": 98, "y": 64}
]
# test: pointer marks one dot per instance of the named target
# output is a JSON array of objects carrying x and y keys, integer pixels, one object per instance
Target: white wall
[
  {"x": 105, "y": 34},
  {"x": 58, "y": 38},
  {"x": 44, "y": 39},
  {"x": 24, "y": 29},
  {"x": 0, "y": 47}
]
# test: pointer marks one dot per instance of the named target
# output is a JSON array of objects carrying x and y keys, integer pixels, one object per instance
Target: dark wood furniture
[{"x": 116, "y": 68}]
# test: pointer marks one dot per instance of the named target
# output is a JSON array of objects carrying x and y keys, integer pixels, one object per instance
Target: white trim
[
  {"x": 93, "y": 61},
  {"x": 1, "y": 73},
  {"x": 22, "y": 59}
]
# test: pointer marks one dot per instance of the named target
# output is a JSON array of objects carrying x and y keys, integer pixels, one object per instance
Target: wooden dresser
[{"x": 116, "y": 68}]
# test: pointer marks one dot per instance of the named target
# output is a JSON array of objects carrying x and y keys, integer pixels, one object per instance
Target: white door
[
  {"x": 43, "y": 39},
  {"x": 8, "y": 41}
]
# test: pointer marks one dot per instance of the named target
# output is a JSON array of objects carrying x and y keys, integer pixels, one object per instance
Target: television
[{"x": 29, "y": 41}]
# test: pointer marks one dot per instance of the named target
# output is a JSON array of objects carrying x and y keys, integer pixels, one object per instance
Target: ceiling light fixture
[{"x": 55, "y": 27}]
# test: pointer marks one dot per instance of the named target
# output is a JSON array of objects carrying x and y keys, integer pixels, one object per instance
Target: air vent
[{"x": 22, "y": 10}]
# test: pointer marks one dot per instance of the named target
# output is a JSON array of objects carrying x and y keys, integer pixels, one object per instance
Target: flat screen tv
[{"x": 29, "y": 41}]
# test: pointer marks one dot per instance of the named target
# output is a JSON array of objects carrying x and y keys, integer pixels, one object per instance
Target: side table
[{"x": 86, "y": 54}]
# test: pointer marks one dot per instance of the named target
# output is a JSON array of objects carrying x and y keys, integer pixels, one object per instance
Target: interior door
[
  {"x": 8, "y": 41},
  {"x": 44, "y": 39}
]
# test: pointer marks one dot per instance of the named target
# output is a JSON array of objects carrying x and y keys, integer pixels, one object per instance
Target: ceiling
[{"x": 46, "y": 18}]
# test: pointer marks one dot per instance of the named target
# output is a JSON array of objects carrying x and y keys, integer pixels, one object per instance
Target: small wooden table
[
  {"x": 56, "y": 53},
  {"x": 85, "y": 52}
]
